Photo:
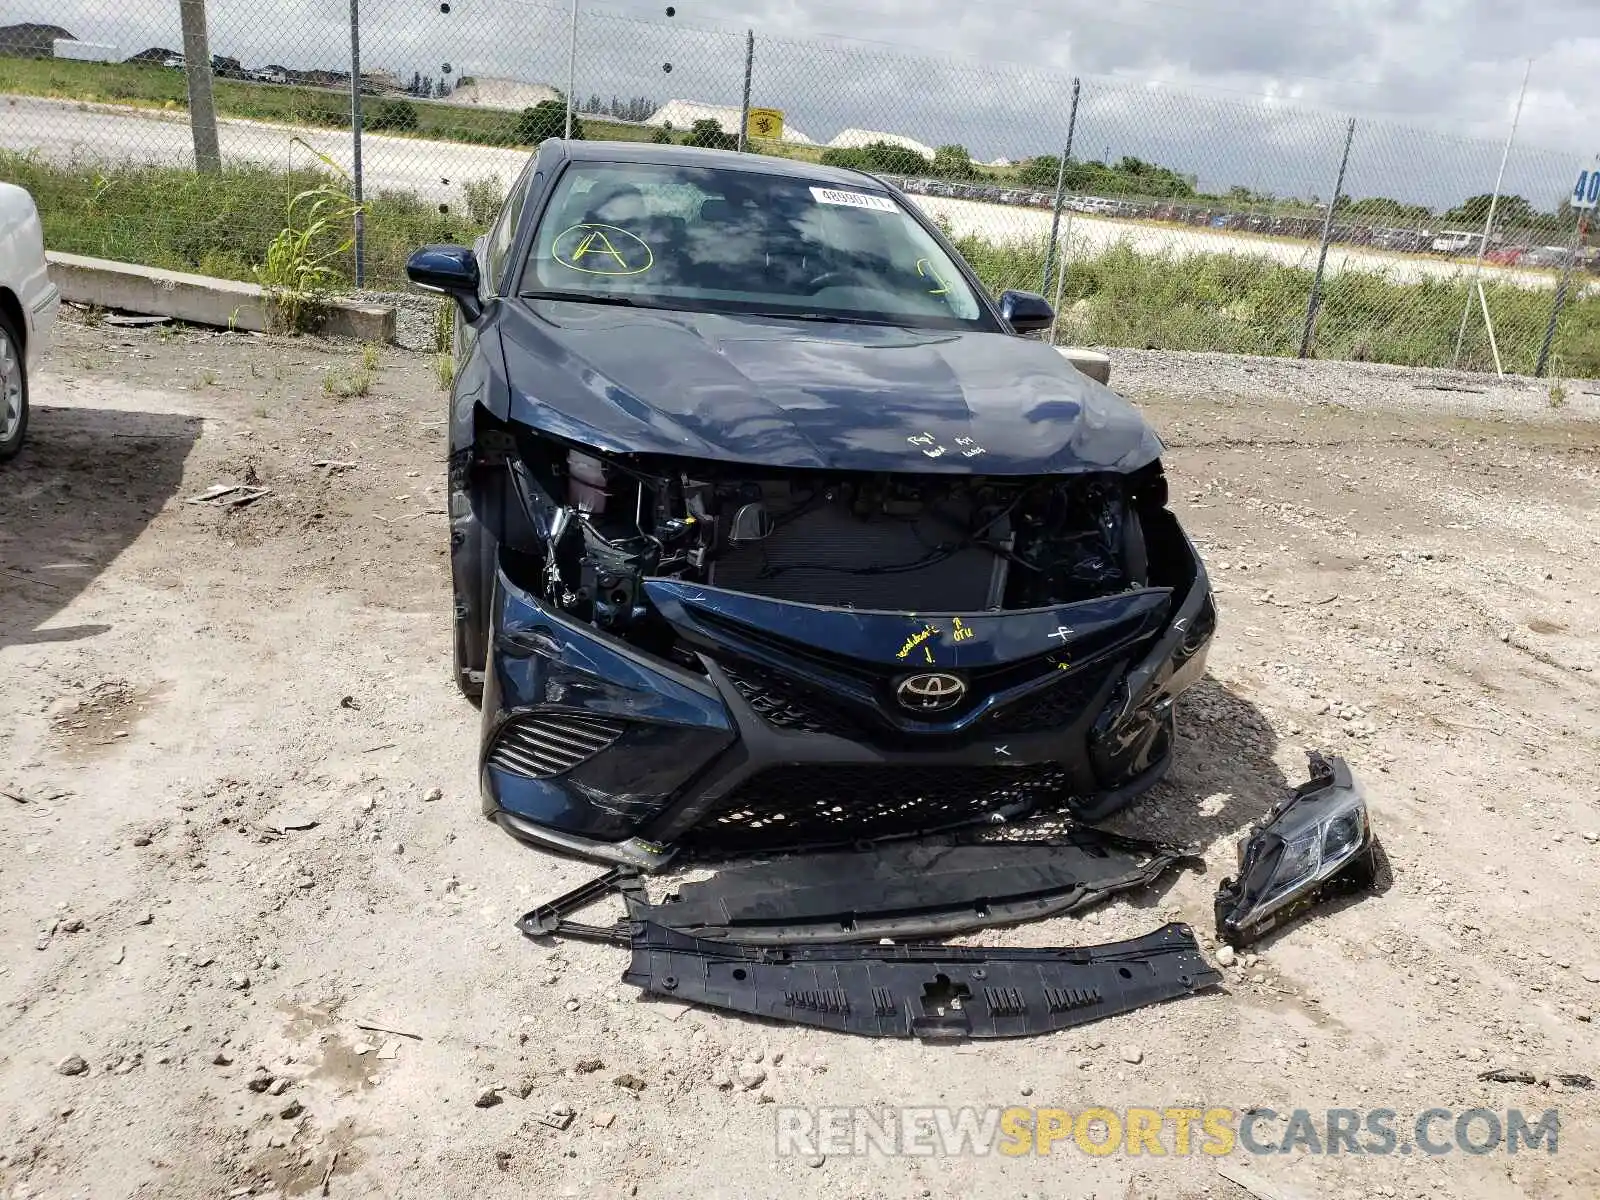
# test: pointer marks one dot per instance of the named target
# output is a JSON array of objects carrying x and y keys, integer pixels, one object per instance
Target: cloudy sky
[{"x": 1233, "y": 91}]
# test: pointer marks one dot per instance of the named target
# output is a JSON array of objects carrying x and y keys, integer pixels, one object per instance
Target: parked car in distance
[
  {"x": 1455, "y": 241},
  {"x": 28, "y": 304},
  {"x": 1544, "y": 256}
]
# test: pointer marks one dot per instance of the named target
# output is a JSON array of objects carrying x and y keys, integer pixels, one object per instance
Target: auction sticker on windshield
[{"x": 854, "y": 199}]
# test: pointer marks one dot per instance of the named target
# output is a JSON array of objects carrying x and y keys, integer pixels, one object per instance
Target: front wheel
[{"x": 13, "y": 390}]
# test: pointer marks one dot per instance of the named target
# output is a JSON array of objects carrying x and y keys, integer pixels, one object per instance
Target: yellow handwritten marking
[
  {"x": 601, "y": 242},
  {"x": 1061, "y": 663},
  {"x": 916, "y": 639},
  {"x": 962, "y": 632},
  {"x": 588, "y": 247},
  {"x": 925, "y": 269},
  {"x": 928, "y": 650}
]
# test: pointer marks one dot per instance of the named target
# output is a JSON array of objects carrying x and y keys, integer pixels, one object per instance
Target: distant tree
[
  {"x": 1383, "y": 209},
  {"x": 1041, "y": 171},
  {"x": 1512, "y": 210},
  {"x": 890, "y": 159},
  {"x": 709, "y": 134},
  {"x": 546, "y": 119},
  {"x": 846, "y": 156},
  {"x": 953, "y": 162}
]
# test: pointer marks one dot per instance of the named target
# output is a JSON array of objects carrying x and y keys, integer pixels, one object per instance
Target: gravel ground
[
  {"x": 256, "y": 937},
  {"x": 415, "y": 316}
]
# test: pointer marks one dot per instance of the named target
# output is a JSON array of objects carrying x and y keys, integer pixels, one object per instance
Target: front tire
[{"x": 13, "y": 390}]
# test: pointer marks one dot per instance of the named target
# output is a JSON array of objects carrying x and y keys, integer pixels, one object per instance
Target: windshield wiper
[
  {"x": 813, "y": 316},
  {"x": 580, "y": 297}
]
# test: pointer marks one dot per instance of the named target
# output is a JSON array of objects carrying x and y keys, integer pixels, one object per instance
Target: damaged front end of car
[{"x": 701, "y": 651}]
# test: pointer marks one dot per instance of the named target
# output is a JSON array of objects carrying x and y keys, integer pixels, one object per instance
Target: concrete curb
[
  {"x": 1092, "y": 363},
  {"x": 200, "y": 299}
]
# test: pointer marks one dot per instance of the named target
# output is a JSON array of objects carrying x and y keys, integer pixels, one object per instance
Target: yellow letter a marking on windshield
[{"x": 596, "y": 242}]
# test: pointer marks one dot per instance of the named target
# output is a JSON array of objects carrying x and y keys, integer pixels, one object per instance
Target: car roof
[{"x": 693, "y": 156}]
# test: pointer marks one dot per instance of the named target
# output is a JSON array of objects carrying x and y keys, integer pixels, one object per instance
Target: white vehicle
[
  {"x": 28, "y": 304},
  {"x": 1456, "y": 241},
  {"x": 95, "y": 52}
]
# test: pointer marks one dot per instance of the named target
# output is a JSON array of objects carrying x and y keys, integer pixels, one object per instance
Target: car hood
[{"x": 785, "y": 393}]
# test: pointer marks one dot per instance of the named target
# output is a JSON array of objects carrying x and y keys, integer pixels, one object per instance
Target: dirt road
[{"x": 244, "y": 878}]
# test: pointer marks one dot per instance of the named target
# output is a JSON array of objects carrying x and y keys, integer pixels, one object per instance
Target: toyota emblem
[{"x": 932, "y": 692}]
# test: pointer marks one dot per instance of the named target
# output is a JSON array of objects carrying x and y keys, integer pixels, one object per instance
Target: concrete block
[
  {"x": 200, "y": 299},
  {"x": 1092, "y": 363}
]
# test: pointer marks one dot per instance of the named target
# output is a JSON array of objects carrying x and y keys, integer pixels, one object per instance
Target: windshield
[{"x": 743, "y": 242}]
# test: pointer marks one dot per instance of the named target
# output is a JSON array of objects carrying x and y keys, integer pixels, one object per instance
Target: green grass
[
  {"x": 223, "y": 224},
  {"x": 1252, "y": 304},
  {"x": 219, "y": 224}
]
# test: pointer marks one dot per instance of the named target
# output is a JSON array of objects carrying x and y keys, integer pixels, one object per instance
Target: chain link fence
[{"x": 1150, "y": 217}]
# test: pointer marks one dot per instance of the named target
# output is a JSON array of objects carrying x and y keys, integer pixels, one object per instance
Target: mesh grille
[
  {"x": 811, "y": 805},
  {"x": 784, "y": 706},
  {"x": 544, "y": 744},
  {"x": 1054, "y": 708}
]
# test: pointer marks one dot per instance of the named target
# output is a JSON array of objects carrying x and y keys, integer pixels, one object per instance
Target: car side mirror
[
  {"x": 1026, "y": 312},
  {"x": 452, "y": 270}
]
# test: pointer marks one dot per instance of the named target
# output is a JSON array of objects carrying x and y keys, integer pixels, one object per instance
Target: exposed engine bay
[{"x": 584, "y": 530}]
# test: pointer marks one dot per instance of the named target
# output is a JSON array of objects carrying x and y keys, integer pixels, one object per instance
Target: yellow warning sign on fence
[{"x": 765, "y": 123}]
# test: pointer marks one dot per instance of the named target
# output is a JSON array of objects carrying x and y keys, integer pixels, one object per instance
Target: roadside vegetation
[
  {"x": 228, "y": 224},
  {"x": 1253, "y": 304}
]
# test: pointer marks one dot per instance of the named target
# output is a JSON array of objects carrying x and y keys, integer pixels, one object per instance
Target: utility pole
[{"x": 197, "y": 66}]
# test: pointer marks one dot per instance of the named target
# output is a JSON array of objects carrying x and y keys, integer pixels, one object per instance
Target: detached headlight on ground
[{"x": 1313, "y": 844}]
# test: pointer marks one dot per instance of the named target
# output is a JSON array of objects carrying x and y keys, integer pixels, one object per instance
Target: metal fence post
[
  {"x": 1322, "y": 252},
  {"x": 1579, "y": 232},
  {"x": 749, "y": 67},
  {"x": 355, "y": 138},
  {"x": 1061, "y": 187},
  {"x": 572, "y": 68},
  {"x": 197, "y": 66},
  {"x": 1488, "y": 224}
]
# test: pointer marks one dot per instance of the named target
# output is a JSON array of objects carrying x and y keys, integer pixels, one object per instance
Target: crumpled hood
[{"x": 805, "y": 394}]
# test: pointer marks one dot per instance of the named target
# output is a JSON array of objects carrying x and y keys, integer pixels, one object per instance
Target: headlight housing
[{"x": 1314, "y": 843}]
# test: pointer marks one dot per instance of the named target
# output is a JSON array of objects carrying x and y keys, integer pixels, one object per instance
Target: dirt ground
[{"x": 240, "y": 835}]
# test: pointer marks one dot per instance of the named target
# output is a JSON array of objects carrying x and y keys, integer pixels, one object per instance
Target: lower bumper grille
[
  {"x": 821, "y": 805},
  {"x": 540, "y": 745}
]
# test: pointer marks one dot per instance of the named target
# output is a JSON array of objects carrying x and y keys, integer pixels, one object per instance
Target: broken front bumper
[{"x": 792, "y": 736}]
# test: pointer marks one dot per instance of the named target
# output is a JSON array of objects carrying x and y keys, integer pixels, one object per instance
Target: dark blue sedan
[{"x": 770, "y": 529}]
